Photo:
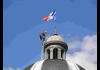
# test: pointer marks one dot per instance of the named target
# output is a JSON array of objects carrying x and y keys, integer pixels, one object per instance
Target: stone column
[
  {"x": 64, "y": 55},
  {"x": 51, "y": 53},
  {"x": 59, "y": 53},
  {"x": 46, "y": 54}
]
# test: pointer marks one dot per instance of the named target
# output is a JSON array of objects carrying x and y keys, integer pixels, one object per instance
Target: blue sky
[{"x": 23, "y": 23}]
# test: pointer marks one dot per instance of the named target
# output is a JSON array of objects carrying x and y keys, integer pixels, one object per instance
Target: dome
[
  {"x": 54, "y": 64},
  {"x": 54, "y": 38}
]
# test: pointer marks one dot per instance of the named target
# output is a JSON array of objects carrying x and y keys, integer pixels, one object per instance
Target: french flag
[{"x": 52, "y": 15}]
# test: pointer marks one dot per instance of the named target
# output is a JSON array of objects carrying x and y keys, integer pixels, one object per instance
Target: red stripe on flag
[{"x": 46, "y": 18}]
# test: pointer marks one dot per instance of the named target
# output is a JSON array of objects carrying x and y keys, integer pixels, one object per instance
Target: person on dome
[{"x": 42, "y": 36}]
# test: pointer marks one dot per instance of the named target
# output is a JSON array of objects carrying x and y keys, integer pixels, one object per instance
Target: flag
[{"x": 52, "y": 15}]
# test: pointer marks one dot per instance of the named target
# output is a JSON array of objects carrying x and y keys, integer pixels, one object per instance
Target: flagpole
[
  {"x": 55, "y": 26},
  {"x": 55, "y": 21}
]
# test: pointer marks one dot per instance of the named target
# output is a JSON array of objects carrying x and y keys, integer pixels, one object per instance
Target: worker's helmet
[{"x": 45, "y": 31}]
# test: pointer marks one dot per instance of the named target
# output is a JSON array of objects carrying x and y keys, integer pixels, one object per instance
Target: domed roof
[
  {"x": 54, "y": 64},
  {"x": 54, "y": 38}
]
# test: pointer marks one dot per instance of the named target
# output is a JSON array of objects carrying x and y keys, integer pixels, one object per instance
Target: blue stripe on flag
[
  {"x": 54, "y": 12},
  {"x": 54, "y": 15}
]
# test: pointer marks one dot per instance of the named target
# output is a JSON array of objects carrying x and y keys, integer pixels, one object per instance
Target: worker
[{"x": 42, "y": 36}]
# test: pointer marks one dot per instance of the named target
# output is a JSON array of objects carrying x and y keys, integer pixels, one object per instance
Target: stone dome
[
  {"x": 54, "y": 38},
  {"x": 54, "y": 64}
]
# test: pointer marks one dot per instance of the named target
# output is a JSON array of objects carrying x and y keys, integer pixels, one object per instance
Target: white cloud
[
  {"x": 89, "y": 46},
  {"x": 80, "y": 59},
  {"x": 17, "y": 69},
  {"x": 10, "y": 68},
  {"x": 73, "y": 39},
  {"x": 74, "y": 45},
  {"x": 62, "y": 35},
  {"x": 3, "y": 68},
  {"x": 88, "y": 54},
  {"x": 68, "y": 34}
]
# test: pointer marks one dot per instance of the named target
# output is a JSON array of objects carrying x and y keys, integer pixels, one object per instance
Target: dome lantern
[{"x": 55, "y": 47}]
